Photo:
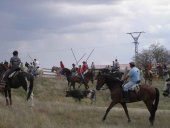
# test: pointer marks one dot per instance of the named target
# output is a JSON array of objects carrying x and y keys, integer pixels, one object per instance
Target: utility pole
[{"x": 135, "y": 41}]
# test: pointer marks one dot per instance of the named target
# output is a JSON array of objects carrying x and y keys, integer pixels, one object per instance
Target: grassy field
[{"x": 53, "y": 110}]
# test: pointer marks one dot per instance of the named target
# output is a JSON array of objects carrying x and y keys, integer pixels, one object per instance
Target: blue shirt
[{"x": 134, "y": 74}]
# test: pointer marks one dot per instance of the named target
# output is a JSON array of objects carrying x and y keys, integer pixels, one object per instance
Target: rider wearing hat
[
  {"x": 14, "y": 65},
  {"x": 74, "y": 70},
  {"x": 133, "y": 77},
  {"x": 84, "y": 67}
]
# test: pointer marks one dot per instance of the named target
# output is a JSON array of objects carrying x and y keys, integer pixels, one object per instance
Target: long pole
[
  {"x": 74, "y": 56},
  {"x": 30, "y": 57},
  {"x": 81, "y": 57},
  {"x": 89, "y": 55},
  {"x": 76, "y": 62}
]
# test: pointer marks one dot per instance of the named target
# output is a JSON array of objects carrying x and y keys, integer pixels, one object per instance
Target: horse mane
[{"x": 112, "y": 79}]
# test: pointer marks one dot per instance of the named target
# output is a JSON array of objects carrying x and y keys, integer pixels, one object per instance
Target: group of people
[
  {"x": 80, "y": 70},
  {"x": 33, "y": 67},
  {"x": 115, "y": 65},
  {"x": 15, "y": 63},
  {"x": 132, "y": 77}
]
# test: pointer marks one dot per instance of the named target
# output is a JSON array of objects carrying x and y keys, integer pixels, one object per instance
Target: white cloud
[{"x": 48, "y": 29}]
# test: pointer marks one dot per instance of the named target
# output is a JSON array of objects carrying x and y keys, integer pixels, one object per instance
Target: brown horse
[
  {"x": 73, "y": 79},
  {"x": 148, "y": 76},
  {"x": 19, "y": 79},
  {"x": 148, "y": 94}
]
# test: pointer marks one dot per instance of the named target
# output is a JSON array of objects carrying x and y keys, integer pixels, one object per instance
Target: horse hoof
[{"x": 129, "y": 121}]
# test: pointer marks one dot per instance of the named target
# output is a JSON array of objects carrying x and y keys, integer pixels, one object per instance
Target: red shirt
[
  {"x": 79, "y": 70},
  {"x": 84, "y": 67},
  {"x": 62, "y": 65}
]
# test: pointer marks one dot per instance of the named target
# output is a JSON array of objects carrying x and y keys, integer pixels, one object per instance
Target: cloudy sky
[{"x": 49, "y": 29}]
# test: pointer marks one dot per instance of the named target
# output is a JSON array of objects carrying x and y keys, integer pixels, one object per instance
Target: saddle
[
  {"x": 15, "y": 73},
  {"x": 135, "y": 87}
]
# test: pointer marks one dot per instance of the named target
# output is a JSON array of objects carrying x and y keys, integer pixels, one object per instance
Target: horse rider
[
  {"x": 165, "y": 76},
  {"x": 6, "y": 65},
  {"x": 84, "y": 67},
  {"x": 14, "y": 65},
  {"x": 133, "y": 78},
  {"x": 113, "y": 66},
  {"x": 62, "y": 67},
  {"x": 117, "y": 66},
  {"x": 92, "y": 66},
  {"x": 36, "y": 63},
  {"x": 74, "y": 70}
]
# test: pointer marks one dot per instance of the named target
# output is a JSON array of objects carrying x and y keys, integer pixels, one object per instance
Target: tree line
[{"x": 155, "y": 54}]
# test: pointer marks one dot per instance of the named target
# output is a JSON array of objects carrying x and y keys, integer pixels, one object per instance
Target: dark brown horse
[
  {"x": 117, "y": 74},
  {"x": 148, "y": 94},
  {"x": 19, "y": 79},
  {"x": 73, "y": 79}
]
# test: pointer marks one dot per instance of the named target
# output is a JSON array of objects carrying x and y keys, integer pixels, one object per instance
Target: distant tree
[
  {"x": 160, "y": 53},
  {"x": 156, "y": 52},
  {"x": 144, "y": 58}
]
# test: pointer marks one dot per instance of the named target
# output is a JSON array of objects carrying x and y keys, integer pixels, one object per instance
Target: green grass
[{"x": 53, "y": 110}]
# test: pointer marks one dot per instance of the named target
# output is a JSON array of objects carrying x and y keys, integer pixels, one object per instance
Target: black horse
[
  {"x": 148, "y": 94},
  {"x": 20, "y": 78},
  {"x": 73, "y": 79}
]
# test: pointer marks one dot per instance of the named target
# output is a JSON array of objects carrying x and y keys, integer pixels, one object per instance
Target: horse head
[
  {"x": 100, "y": 81},
  {"x": 107, "y": 79}
]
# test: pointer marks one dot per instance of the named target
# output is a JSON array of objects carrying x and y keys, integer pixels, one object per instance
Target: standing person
[
  {"x": 133, "y": 77},
  {"x": 117, "y": 66},
  {"x": 14, "y": 65},
  {"x": 165, "y": 76},
  {"x": 113, "y": 66},
  {"x": 92, "y": 67},
  {"x": 62, "y": 67}
]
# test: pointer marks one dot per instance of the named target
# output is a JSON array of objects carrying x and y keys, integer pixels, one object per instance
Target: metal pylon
[{"x": 135, "y": 41}]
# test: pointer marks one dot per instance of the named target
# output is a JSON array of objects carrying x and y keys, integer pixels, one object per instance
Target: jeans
[{"x": 128, "y": 85}]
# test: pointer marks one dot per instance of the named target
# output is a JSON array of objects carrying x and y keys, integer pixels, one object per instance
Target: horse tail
[
  {"x": 31, "y": 79},
  {"x": 155, "y": 106}
]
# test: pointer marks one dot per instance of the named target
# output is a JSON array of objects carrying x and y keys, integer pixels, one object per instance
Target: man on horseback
[
  {"x": 62, "y": 67},
  {"x": 82, "y": 70},
  {"x": 14, "y": 65},
  {"x": 74, "y": 70},
  {"x": 117, "y": 66},
  {"x": 133, "y": 77}
]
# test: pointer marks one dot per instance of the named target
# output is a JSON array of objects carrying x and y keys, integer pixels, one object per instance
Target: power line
[{"x": 135, "y": 38}]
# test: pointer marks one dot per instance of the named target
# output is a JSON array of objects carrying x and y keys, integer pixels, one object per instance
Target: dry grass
[{"x": 53, "y": 110}]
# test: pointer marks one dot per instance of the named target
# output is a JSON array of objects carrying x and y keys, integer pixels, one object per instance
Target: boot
[{"x": 125, "y": 97}]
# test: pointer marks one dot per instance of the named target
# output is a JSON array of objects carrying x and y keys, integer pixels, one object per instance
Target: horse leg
[
  {"x": 108, "y": 109},
  {"x": 9, "y": 94},
  {"x": 86, "y": 86},
  {"x": 126, "y": 111},
  {"x": 6, "y": 96},
  {"x": 149, "y": 106}
]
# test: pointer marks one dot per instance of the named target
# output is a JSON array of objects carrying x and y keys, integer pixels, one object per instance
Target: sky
[{"x": 96, "y": 29}]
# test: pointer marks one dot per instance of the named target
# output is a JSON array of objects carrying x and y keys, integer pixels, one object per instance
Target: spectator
[
  {"x": 62, "y": 67},
  {"x": 117, "y": 66}
]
